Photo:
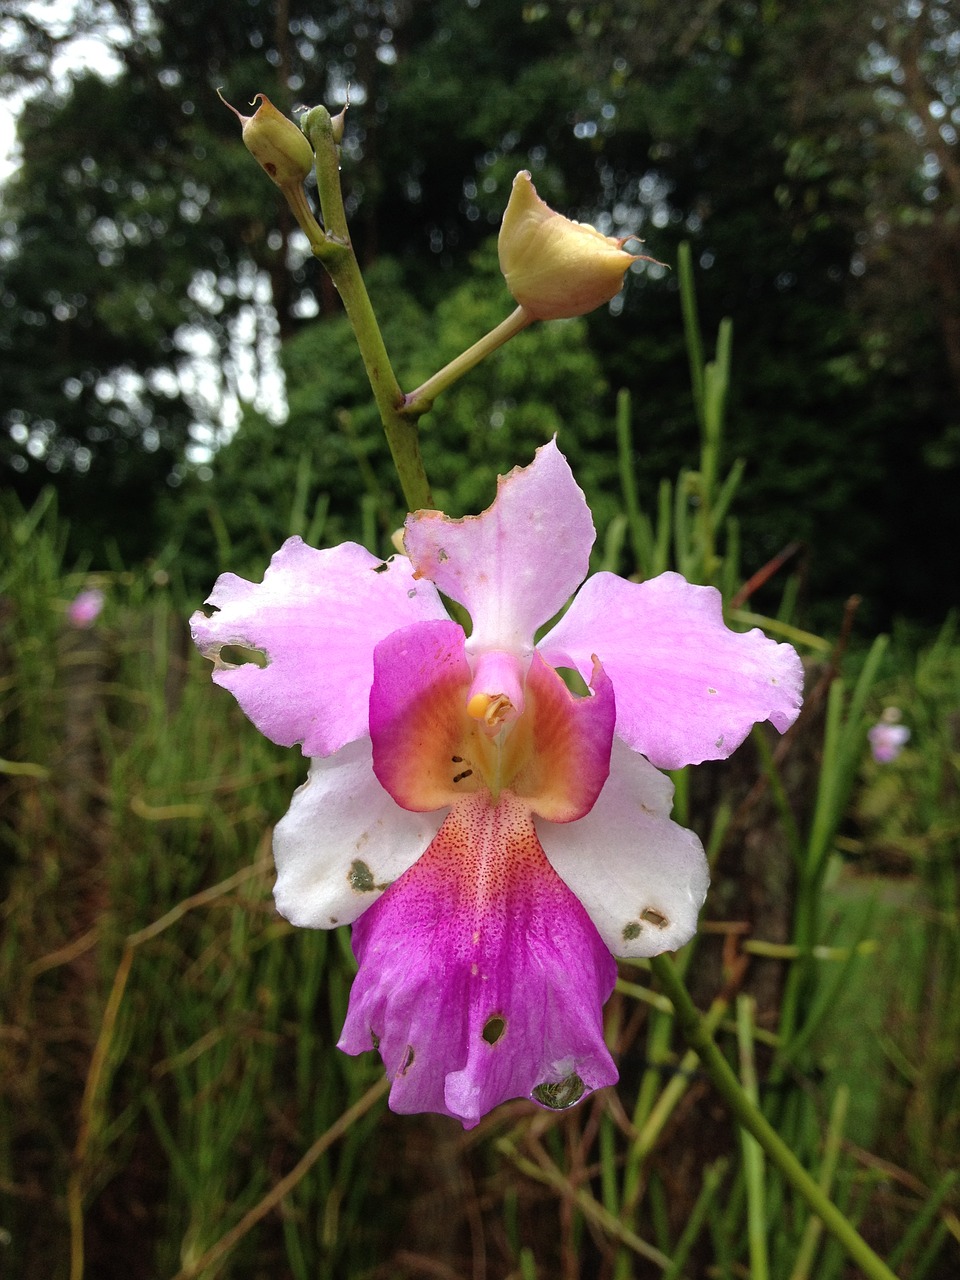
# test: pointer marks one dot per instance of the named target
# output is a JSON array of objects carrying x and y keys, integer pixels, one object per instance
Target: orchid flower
[
  {"x": 85, "y": 608},
  {"x": 494, "y": 838},
  {"x": 888, "y": 737}
]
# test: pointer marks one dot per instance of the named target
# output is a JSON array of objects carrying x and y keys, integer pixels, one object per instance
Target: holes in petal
[
  {"x": 361, "y": 877},
  {"x": 407, "y": 1062},
  {"x": 574, "y": 681},
  {"x": 238, "y": 655},
  {"x": 561, "y": 1094},
  {"x": 649, "y": 915},
  {"x": 493, "y": 1029}
]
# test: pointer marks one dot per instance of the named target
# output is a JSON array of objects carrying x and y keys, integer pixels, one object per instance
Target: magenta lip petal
[
  {"x": 688, "y": 688},
  {"x": 481, "y": 976},
  {"x": 316, "y": 617}
]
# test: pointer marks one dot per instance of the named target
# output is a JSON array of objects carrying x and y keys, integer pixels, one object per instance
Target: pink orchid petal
[
  {"x": 641, "y": 877},
  {"x": 515, "y": 565},
  {"x": 428, "y": 751},
  {"x": 481, "y": 977},
  {"x": 342, "y": 841},
  {"x": 688, "y": 688},
  {"x": 317, "y": 617}
]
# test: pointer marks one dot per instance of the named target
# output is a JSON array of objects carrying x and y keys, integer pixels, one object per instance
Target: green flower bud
[{"x": 275, "y": 142}]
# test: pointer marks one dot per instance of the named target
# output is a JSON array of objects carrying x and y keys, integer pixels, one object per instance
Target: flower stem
[
  {"x": 418, "y": 402},
  {"x": 337, "y": 255},
  {"x": 751, "y": 1119},
  {"x": 296, "y": 198}
]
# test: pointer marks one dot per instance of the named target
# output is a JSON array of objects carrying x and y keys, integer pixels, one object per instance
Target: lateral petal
[
  {"x": 343, "y": 841},
  {"x": 316, "y": 617},
  {"x": 641, "y": 877},
  {"x": 418, "y": 715},
  {"x": 688, "y": 688},
  {"x": 516, "y": 564},
  {"x": 481, "y": 976},
  {"x": 562, "y": 743}
]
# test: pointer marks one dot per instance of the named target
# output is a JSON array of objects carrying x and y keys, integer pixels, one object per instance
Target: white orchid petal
[
  {"x": 343, "y": 841},
  {"x": 641, "y": 877}
]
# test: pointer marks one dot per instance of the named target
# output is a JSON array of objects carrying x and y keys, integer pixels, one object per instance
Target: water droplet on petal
[{"x": 560, "y": 1095}]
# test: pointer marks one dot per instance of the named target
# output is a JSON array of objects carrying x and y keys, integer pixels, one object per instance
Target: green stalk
[
  {"x": 337, "y": 255},
  {"x": 749, "y": 1116},
  {"x": 754, "y": 1170},
  {"x": 628, "y": 486},
  {"x": 924, "y": 1218},
  {"x": 669, "y": 1099},
  {"x": 691, "y": 327},
  {"x": 831, "y": 1153},
  {"x": 712, "y": 1179},
  {"x": 418, "y": 402}
]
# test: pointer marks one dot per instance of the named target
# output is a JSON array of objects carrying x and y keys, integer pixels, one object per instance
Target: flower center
[
  {"x": 490, "y": 752},
  {"x": 444, "y": 728},
  {"x": 492, "y": 709}
]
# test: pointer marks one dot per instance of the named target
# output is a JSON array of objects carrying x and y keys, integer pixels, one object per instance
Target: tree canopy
[{"x": 155, "y": 291}]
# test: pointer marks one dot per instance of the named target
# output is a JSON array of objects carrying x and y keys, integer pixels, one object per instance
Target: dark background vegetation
[{"x": 807, "y": 151}]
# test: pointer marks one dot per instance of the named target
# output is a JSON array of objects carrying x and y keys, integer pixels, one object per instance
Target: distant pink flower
[
  {"x": 84, "y": 609},
  {"x": 888, "y": 738},
  {"x": 495, "y": 838}
]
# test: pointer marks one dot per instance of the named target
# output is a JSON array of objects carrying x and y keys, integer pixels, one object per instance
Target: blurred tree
[
  {"x": 781, "y": 143},
  {"x": 807, "y": 151}
]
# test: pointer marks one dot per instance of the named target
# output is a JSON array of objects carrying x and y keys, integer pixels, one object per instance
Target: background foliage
[{"x": 808, "y": 153}]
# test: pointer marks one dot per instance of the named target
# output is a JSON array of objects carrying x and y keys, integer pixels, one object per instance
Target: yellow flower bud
[
  {"x": 275, "y": 142},
  {"x": 556, "y": 268}
]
